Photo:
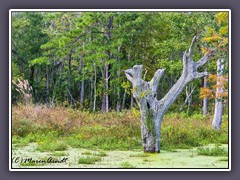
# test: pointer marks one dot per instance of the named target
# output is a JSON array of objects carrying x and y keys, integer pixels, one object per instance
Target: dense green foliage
[{"x": 77, "y": 58}]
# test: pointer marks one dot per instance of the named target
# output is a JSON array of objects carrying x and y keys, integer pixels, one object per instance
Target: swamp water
[{"x": 179, "y": 158}]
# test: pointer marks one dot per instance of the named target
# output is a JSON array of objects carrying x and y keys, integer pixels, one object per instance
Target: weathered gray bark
[
  {"x": 82, "y": 93},
  {"x": 205, "y": 100},
  {"x": 152, "y": 109},
  {"x": 105, "y": 101},
  {"x": 217, "y": 119}
]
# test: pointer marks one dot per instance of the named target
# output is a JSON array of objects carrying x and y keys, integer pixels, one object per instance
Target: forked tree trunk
[
  {"x": 152, "y": 109},
  {"x": 217, "y": 119}
]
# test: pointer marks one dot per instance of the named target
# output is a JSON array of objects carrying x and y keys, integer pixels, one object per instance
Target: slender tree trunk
[
  {"x": 132, "y": 101},
  {"x": 205, "y": 100},
  {"x": 91, "y": 94},
  {"x": 95, "y": 88},
  {"x": 152, "y": 109},
  {"x": 82, "y": 93},
  {"x": 124, "y": 99},
  {"x": 47, "y": 85},
  {"x": 81, "y": 86},
  {"x": 118, "y": 105},
  {"x": 107, "y": 85},
  {"x": 105, "y": 102},
  {"x": 188, "y": 99},
  {"x": 217, "y": 119}
]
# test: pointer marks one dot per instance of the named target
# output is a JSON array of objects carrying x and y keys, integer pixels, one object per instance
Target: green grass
[
  {"x": 216, "y": 151},
  {"x": 31, "y": 164},
  {"x": 87, "y": 153},
  {"x": 139, "y": 155},
  {"x": 101, "y": 154},
  {"x": 126, "y": 165},
  {"x": 52, "y": 146},
  {"x": 89, "y": 160},
  {"x": 223, "y": 159}
]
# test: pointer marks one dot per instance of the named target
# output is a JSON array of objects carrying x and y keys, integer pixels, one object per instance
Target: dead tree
[{"x": 145, "y": 93}]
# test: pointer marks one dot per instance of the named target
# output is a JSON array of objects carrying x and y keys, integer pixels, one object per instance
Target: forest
[{"x": 73, "y": 85}]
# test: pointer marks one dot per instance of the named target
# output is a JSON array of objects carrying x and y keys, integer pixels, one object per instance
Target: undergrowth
[
  {"x": 216, "y": 151},
  {"x": 54, "y": 129}
]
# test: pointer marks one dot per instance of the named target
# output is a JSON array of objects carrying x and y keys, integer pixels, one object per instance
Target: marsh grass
[
  {"x": 126, "y": 165},
  {"x": 54, "y": 129},
  {"x": 31, "y": 164},
  {"x": 223, "y": 159},
  {"x": 100, "y": 153},
  {"x": 216, "y": 151},
  {"x": 87, "y": 153},
  {"x": 52, "y": 146},
  {"x": 89, "y": 160}
]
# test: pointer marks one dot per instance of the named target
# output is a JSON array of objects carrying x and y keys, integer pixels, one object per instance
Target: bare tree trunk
[
  {"x": 124, "y": 99},
  {"x": 205, "y": 100},
  {"x": 132, "y": 101},
  {"x": 118, "y": 106},
  {"x": 152, "y": 109},
  {"x": 105, "y": 102},
  {"x": 47, "y": 85},
  {"x": 188, "y": 99},
  {"x": 95, "y": 88},
  {"x": 82, "y": 93},
  {"x": 91, "y": 94},
  {"x": 217, "y": 119}
]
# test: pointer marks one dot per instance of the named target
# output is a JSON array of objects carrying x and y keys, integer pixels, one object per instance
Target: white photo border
[{"x": 118, "y": 169}]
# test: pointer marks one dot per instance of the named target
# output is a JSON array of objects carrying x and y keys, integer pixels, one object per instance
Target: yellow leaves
[
  {"x": 212, "y": 77},
  {"x": 213, "y": 38},
  {"x": 225, "y": 94},
  {"x": 206, "y": 93},
  {"x": 220, "y": 84},
  {"x": 218, "y": 37},
  {"x": 222, "y": 80},
  {"x": 222, "y": 18},
  {"x": 223, "y": 31},
  {"x": 204, "y": 50},
  {"x": 221, "y": 94}
]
